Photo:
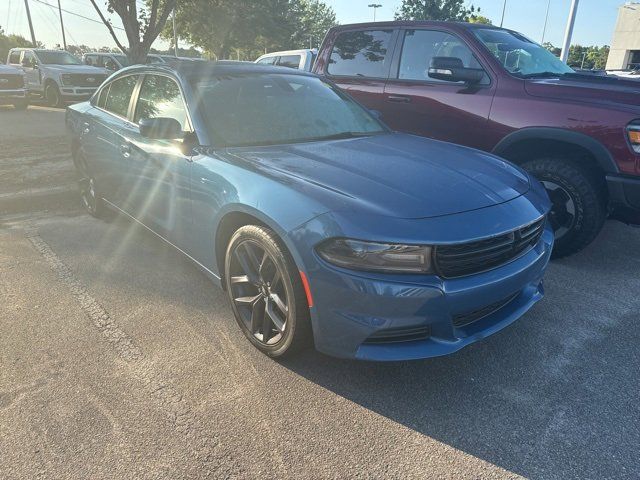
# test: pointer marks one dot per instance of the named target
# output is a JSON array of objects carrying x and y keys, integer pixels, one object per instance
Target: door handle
[
  {"x": 399, "y": 98},
  {"x": 125, "y": 150},
  {"x": 86, "y": 128}
]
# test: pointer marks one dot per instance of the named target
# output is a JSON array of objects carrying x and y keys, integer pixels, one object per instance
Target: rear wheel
[
  {"x": 89, "y": 192},
  {"x": 52, "y": 96},
  {"x": 266, "y": 292},
  {"x": 578, "y": 201}
]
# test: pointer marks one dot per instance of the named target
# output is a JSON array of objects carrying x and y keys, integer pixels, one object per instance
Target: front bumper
[
  {"x": 351, "y": 308},
  {"x": 77, "y": 93},
  {"x": 624, "y": 191}
]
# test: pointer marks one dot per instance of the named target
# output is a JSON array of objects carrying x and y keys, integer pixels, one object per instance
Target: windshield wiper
[{"x": 544, "y": 75}]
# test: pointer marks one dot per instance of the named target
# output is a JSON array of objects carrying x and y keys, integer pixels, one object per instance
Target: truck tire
[
  {"x": 52, "y": 95},
  {"x": 579, "y": 207}
]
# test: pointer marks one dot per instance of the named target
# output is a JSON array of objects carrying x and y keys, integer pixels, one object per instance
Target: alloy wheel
[
  {"x": 258, "y": 292},
  {"x": 563, "y": 208}
]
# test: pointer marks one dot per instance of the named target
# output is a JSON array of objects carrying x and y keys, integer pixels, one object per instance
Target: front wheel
[
  {"x": 266, "y": 292},
  {"x": 52, "y": 96},
  {"x": 578, "y": 205}
]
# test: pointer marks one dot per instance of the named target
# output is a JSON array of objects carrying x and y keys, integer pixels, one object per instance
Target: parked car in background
[
  {"x": 12, "y": 90},
  {"x": 116, "y": 61},
  {"x": 496, "y": 90},
  {"x": 110, "y": 61},
  {"x": 56, "y": 75},
  {"x": 298, "y": 59},
  {"x": 321, "y": 224}
]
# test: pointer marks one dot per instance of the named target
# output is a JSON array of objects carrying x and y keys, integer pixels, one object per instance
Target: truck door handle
[
  {"x": 399, "y": 98},
  {"x": 125, "y": 150},
  {"x": 86, "y": 128}
]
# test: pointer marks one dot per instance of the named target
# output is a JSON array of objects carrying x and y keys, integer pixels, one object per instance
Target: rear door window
[
  {"x": 267, "y": 60},
  {"x": 160, "y": 97},
  {"x": 291, "y": 61},
  {"x": 14, "y": 57},
  {"x": 119, "y": 95},
  {"x": 362, "y": 54}
]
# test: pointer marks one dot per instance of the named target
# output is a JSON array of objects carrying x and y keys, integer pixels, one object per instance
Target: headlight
[
  {"x": 66, "y": 79},
  {"x": 376, "y": 257},
  {"x": 633, "y": 134}
]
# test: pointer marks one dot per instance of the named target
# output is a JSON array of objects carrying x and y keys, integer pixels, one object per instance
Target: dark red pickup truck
[{"x": 496, "y": 90}]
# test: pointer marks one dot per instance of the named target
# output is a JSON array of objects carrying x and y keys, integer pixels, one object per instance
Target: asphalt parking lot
[{"x": 118, "y": 359}]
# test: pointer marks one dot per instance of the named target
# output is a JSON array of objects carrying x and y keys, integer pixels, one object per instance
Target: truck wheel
[
  {"x": 52, "y": 96},
  {"x": 21, "y": 104},
  {"x": 578, "y": 209}
]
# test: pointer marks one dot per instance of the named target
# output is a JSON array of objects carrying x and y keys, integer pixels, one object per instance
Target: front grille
[
  {"x": 10, "y": 82},
  {"x": 395, "y": 335},
  {"x": 465, "y": 319},
  {"x": 84, "y": 80},
  {"x": 463, "y": 259}
]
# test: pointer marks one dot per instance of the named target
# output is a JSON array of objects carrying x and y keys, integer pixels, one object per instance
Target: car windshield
[
  {"x": 272, "y": 109},
  {"x": 122, "y": 60},
  {"x": 58, "y": 58},
  {"x": 520, "y": 56}
]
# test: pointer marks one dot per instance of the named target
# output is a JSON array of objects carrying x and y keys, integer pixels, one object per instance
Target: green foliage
[
  {"x": 7, "y": 42},
  {"x": 473, "y": 18},
  {"x": 453, "y": 10},
  {"x": 244, "y": 29},
  {"x": 591, "y": 57}
]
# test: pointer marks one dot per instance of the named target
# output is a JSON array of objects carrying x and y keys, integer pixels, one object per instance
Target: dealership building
[{"x": 625, "y": 45}]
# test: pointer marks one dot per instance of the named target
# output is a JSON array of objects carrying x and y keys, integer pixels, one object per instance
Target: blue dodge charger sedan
[{"x": 324, "y": 227}]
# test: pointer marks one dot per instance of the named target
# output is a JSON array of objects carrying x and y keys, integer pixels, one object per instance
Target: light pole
[
  {"x": 569, "y": 31},
  {"x": 64, "y": 38},
  {"x": 175, "y": 34},
  {"x": 375, "y": 6},
  {"x": 504, "y": 9},
  {"x": 546, "y": 19}
]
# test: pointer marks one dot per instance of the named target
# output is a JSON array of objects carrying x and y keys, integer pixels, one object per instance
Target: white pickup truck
[
  {"x": 56, "y": 75},
  {"x": 12, "y": 91}
]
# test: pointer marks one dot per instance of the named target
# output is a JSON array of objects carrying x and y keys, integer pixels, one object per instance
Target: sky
[{"x": 594, "y": 24}]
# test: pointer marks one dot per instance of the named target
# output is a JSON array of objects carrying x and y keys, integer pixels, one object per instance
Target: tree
[
  {"x": 473, "y": 18},
  {"x": 435, "y": 10},
  {"x": 246, "y": 28},
  {"x": 142, "y": 25},
  {"x": 7, "y": 42}
]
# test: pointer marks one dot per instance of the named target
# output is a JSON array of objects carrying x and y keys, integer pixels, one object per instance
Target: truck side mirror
[{"x": 451, "y": 69}]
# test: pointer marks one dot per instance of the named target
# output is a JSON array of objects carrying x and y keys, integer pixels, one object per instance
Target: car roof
[
  {"x": 191, "y": 69},
  {"x": 289, "y": 52},
  {"x": 40, "y": 49},
  {"x": 416, "y": 23}
]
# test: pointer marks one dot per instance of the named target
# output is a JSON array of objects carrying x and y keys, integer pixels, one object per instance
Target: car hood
[
  {"x": 397, "y": 175},
  {"x": 612, "y": 91},
  {"x": 88, "y": 69},
  {"x": 8, "y": 69}
]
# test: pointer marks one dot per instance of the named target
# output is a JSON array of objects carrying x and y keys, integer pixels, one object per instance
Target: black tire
[
  {"x": 52, "y": 95},
  {"x": 571, "y": 187},
  {"x": 21, "y": 104},
  {"x": 89, "y": 190},
  {"x": 259, "y": 268}
]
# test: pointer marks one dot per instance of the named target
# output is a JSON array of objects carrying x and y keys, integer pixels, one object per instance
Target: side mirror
[
  {"x": 376, "y": 114},
  {"x": 451, "y": 69},
  {"x": 110, "y": 65},
  {"x": 160, "y": 128},
  {"x": 87, "y": 61},
  {"x": 26, "y": 63}
]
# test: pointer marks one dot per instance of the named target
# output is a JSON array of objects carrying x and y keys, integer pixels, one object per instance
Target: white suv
[
  {"x": 56, "y": 75},
  {"x": 298, "y": 59}
]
